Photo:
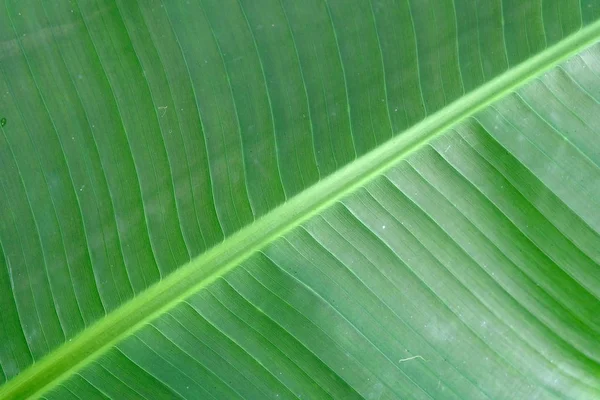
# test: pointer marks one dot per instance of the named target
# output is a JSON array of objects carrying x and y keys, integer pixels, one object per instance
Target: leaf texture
[{"x": 140, "y": 135}]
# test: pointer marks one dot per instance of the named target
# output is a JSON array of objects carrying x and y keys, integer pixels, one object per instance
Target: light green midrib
[{"x": 206, "y": 268}]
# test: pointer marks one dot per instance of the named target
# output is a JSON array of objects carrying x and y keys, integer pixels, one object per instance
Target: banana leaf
[{"x": 282, "y": 199}]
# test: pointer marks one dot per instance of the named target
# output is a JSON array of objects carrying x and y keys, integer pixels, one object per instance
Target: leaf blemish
[{"x": 411, "y": 358}]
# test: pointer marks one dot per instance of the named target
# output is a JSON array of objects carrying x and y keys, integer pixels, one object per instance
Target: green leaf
[{"x": 317, "y": 199}]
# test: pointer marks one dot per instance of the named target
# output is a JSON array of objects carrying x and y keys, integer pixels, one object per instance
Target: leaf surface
[{"x": 280, "y": 199}]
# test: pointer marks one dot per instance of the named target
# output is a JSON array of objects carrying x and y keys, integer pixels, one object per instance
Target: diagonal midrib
[{"x": 209, "y": 266}]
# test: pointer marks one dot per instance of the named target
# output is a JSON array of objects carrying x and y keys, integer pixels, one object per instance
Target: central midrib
[{"x": 206, "y": 268}]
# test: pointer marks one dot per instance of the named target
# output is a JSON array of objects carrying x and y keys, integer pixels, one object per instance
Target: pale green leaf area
[{"x": 285, "y": 199}]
